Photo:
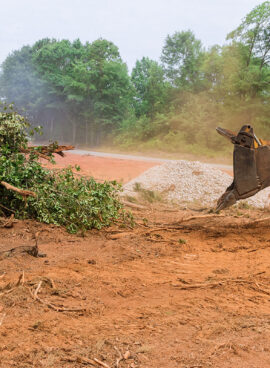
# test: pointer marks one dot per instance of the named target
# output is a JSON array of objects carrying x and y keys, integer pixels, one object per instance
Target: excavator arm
[{"x": 251, "y": 166}]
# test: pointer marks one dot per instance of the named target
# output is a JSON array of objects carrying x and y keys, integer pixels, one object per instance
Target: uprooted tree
[{"x": 59, "y": 197}]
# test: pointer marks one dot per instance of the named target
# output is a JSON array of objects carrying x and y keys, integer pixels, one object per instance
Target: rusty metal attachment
[{"x": 251, "y": 166}]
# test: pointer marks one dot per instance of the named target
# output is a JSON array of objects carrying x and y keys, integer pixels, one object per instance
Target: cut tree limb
[
  {"x": 43, "y": 151},
  {"x": 23, "y": 192},
  {"x": 101, "y": 363},
  {"x": 42, "y": 155}
]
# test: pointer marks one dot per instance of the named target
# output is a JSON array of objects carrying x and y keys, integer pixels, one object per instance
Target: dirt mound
[{"x": 184, "y": 182}]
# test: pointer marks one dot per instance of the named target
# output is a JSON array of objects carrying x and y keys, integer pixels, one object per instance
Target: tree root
[{"x": 50, "y": 305}]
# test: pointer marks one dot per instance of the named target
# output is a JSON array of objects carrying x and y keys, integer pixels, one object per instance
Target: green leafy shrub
[{"x": 62, "y": 198}]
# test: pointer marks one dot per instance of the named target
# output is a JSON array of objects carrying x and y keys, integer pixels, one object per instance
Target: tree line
[{"x": 84, "y": 94}]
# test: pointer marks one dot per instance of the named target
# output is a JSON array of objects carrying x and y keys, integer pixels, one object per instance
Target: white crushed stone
[{"x": 184, "y": 182}]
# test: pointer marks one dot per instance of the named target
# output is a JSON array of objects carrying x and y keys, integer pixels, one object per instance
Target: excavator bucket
[{"x": 251, "y": 166}]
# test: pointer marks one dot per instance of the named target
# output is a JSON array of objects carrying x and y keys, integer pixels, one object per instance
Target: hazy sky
[{"x": 137, "y": 27}]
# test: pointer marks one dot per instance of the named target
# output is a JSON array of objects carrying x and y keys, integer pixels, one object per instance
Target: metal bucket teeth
[
  {"x": 226, "y": 133},
  {"x": 226, "y": 200}
]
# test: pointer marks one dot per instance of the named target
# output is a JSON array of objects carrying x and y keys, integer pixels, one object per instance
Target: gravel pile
[{"x": 184, "y": 182}]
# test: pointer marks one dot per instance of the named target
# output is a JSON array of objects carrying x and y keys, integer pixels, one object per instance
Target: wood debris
[
  {"x": 46, "y": 151},
  {"x": 32, "y": 250}
]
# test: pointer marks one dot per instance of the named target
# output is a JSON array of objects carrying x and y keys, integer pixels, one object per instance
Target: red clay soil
[
  {"x": 103, "y": 168},
  {"x": 173, "y": 292}
]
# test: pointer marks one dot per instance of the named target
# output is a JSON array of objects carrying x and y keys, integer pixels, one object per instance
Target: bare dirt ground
[
  {"x": 181, "y": 289},
  {"x": 103, "y": 168}
]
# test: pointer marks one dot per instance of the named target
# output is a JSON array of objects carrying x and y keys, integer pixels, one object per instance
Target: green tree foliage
[
  {"x": 151, "y": 88},
  {"x": 182, "y": 56},
  {"x": 110, "y": 82},
  {"x": 91, "y": 81},
  {"x": 227, "y": 86},
  {"x": 79, "y": 92},
  {"x": 253, "y": 40},
  {"x": 254, "y": 34},
  {"x": 82, "y": 92}
]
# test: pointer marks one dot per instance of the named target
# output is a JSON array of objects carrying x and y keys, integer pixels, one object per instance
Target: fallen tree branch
[
  {"x": 251, "y": 223},
  {"x": 83, "y": 360},
  {"x": 2, "y": 318},
  {"x": 259, "y": 289},
  {"x": 7, "y": 209},
  {"x": 198, "y": 217},
  {"x": 101, "y": 363},
  {"x": 42, "y": 155},
  {"x": 118, "y": 360},
  {"x": 55, "y": 307},
  {"x": 78, "y": 359},
  {"x": 53, "y": 149},
  {"x": 37, "y": 289},
  {"x": 23, "y": 192},
  {"x": 20, "y": 279},
  {"x": 211, "y": 284},
  {"x": 43, "y": 151}
]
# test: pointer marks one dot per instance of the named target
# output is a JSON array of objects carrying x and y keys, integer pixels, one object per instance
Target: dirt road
[
  {"x": 173, "y": 292},
  {"x": 138, "y": 158}
]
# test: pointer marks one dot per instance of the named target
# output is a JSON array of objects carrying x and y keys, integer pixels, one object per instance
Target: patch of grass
[
  {"x": 131, "y": 199},
  {"x": 243, "y": 206},
  {"x": 172, "y": 143},
  {"x": 145, "y": 221},
  {"x": 137, "y": 187},
  {"x": 182, "y": 241},
  {"x": 147, "y": 195}
]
